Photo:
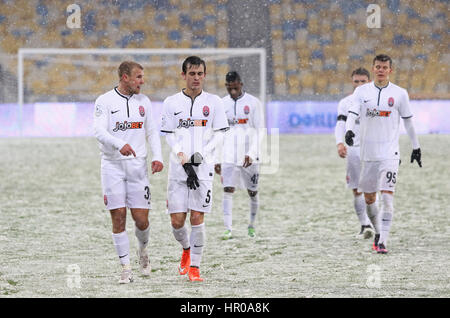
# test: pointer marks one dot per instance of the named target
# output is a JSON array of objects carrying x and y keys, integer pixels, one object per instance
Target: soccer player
[
  {"x": 240, "y": 164},
  {"x": 194, "y": 122},
  {"x": 359, "y": 77},
  {"x": 379, "y": 106},
  {"x": 122, "y": 125}
]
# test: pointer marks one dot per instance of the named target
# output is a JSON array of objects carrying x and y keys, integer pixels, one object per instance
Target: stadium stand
[{"x": 313, "y": 45}]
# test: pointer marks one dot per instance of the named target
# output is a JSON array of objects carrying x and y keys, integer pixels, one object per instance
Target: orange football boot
[
  {"x": 194, "y": 274},
  {"x": 185, "y": 262}
]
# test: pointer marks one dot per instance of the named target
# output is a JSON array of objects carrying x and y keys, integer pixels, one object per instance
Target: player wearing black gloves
[
  {"x": 195, "y": 161},
  {"x": 379, "y": 106},
  {"x": 192, "y": 115},
  {"x": 416, "y": 155}
]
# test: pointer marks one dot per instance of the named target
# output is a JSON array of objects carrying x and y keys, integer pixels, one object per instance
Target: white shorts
[
  {"x": 238, "y": 176},
  {"x": 182, "y": 199},
  {"x": 353, "y": 167},
  {"x": 125, "y": 183},
  {"x": 378, "y": 175}
]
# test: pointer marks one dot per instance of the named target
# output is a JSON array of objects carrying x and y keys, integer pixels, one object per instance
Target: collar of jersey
[
  {"x": 239, "y": 97},
  {"x": 190, "y": 96},
  {"x": 381, "y": 87},
  {"x": 117, "y": 91}
]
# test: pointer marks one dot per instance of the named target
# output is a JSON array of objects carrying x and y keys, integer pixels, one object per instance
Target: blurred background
[{"x": 312, "y": 46}]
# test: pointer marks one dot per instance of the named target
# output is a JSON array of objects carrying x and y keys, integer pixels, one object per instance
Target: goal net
[
  {"x": 78, "y": 76},
  {"x": 81, "y": 75}
]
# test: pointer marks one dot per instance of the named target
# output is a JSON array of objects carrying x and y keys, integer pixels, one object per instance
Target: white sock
[
  {"x": 142, "y": 236},
  {"x": 372, "y": 213},
  {"x": 360, "y": 209},
  {"x": 197, "y": 240},
  {"x": 181, "y": 235},
  {"x": 122, "y": 245},
  {"x": 254, "y": 205},
  {"x": 387, "y": 213},
  {"x": 227, "y": 210}
]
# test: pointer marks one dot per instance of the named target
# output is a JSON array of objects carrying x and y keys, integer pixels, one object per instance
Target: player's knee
[
  {"x": 118, "y": 218},
  {"x": 252, "y": 194},
  {"x": 196, "y": 218},
  {"x": 177, "y": 220},
  {"x": 370, "y": 198},
  {"x": 142, "y": 224},
  {"x": 356, "y": 193},
  {"x": 228, "y": 189},
  {"x": 177, "y": 224}
]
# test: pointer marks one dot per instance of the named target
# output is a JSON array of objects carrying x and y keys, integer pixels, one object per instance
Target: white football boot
[{"x": 126, "y": 276}]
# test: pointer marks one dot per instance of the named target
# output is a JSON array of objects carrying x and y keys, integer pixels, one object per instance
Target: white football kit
[
  {"x": 192, "y": 125},
  {"x": 353, "y": 152},
  {"x": 379, "y": 110},
  {"x": 121, "y": 120},
  {"x": 246, "y": 120}
]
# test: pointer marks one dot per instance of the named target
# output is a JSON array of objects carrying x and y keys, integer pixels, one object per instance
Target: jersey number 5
[{"x": 208, "y": 196}]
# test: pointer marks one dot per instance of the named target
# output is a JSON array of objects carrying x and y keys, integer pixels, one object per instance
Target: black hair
[
  {"x": 233, "y": 76},
  {"x": 382, "y": 58},
  {"x": 193, "y": 60},
  {"x": 361, "y": 71}
]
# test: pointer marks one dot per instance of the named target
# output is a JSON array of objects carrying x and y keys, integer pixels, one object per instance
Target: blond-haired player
[{"x": 122, "y": 125}]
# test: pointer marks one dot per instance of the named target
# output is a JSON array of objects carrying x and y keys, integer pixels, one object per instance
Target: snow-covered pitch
[{"x": 55, "y": 234}]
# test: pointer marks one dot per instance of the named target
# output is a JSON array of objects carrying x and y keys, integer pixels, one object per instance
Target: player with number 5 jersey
[
  {"x": 379, "y": 105},
  {"x": 194, "y": 122}
]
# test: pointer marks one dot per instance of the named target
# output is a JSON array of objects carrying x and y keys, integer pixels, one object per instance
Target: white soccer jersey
[
  {"x": 342, "y": 111},
  {"x": 245, "y": 117},
  {"x": 194, "y": 122},
  {"x": 121, "y": 120},
  {"x": 379, "y": 110}
]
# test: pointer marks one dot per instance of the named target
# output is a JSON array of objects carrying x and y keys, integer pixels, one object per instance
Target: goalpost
[{"x": 79, "y": 75}]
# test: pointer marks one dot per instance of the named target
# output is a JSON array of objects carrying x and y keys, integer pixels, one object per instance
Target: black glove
[
  {"x": 192, "y": 179},
  {"x": 416, "y": 155},
  {"x": 349, "y": 137},
  {"x": 196, "y": 159}
]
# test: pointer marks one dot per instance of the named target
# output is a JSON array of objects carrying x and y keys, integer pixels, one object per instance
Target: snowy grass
[{"x": 55, "y": 234}]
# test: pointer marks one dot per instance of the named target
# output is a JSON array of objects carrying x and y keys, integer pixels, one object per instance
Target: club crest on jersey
[
  {"x": 391, "y": 101},
  {"x": 142, "y": 111},
  {"x": 186, "y": 123},
  {"x": 246, "y": 109},
  {"x": 128, "y": 125},
  {"x": 377, "y": 113},
  {"x": 205, "y": 111}
]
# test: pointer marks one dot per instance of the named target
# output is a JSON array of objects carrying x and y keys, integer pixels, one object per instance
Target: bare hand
[
  {"x": 342, "y": 150},
  {"x": 182, "y": 157},
  {"x": 127, "y": 150},
  {"x": 157, "y": 166},
  {"x": 218, "y": 169},
  {"x": 247, "y": 162}
]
